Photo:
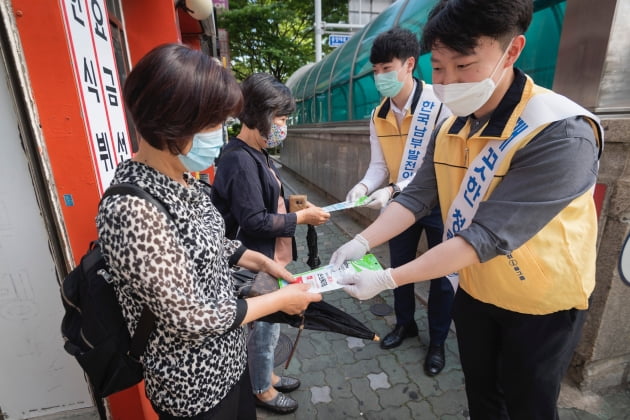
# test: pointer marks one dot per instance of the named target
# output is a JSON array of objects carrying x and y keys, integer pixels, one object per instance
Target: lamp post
[
  {"x": 320, "y": 26},
  {"x": 318, "y": 30}
]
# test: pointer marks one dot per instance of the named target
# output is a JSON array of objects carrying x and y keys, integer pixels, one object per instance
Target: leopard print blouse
[{"x": 179, "y": 269}]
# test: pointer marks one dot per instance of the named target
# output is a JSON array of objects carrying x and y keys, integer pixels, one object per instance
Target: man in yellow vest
[
  {"x": 409, "y": 106},
  {"x": 514, "y": 169}
]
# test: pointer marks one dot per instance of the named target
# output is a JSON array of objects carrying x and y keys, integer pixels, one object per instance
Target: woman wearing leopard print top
[{"x": 195, "y": 361}]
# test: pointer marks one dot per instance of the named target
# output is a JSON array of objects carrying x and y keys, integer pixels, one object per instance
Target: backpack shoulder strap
[
  {"x": 206, "y": 187},
  {"x": 146, "y": 323},
  {"x": 128, "y": 188}
]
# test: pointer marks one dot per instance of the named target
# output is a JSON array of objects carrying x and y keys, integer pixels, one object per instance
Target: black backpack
[{"x": 93, "y": 326}]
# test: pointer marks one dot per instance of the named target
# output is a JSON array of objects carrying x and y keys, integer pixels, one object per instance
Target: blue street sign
[{"x": 337, "y": 40}]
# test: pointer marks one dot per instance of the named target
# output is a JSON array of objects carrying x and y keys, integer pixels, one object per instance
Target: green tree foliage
[{"x": 276, "y": 37}]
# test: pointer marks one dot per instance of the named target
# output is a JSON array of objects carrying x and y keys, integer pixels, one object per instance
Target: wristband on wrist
[{"x": 396, "y": 189}]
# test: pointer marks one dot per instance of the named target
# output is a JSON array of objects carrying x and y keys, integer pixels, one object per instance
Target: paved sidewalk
[{"x": 347, "y": 378}]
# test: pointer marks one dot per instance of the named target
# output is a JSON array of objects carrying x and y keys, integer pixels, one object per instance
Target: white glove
[
  {"x": 379, "y": 198},
  {"x": 367, "y": 284},
  {"x": 352, "y": 250},
  {"x": 356, "y": 192}
]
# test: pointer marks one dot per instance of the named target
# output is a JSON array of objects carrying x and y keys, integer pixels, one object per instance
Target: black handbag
[{"x": 248, "y": 283}]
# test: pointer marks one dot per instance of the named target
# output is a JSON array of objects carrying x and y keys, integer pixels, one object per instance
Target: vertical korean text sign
[{"x": 89, "y": 40}]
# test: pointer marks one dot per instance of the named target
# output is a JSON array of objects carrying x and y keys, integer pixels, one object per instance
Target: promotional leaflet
[
  {"x": 325, "y": 278},
  {"x": 362, "y": 201}
]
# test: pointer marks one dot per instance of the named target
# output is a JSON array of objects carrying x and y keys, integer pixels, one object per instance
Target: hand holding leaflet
[
  {"x": 361, "y": 201},
  {"x": 367, "y": 284},
  {"x": 352, "y": 250},
  {"x": 356, "y": 192},
  {"x": 327, "y": 278},
  {"x": 379, "y": 198}
]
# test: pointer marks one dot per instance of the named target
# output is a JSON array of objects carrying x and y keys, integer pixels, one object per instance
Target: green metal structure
[{"x": 341, "y": 86}]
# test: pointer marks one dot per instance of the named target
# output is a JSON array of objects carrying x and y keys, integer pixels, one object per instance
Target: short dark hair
[
  {"x": 265, "y": 98},
  {"x": 458, "y": 24},
  {"x": 396, "y": 43},
  {"x": 174, "y": 92}
]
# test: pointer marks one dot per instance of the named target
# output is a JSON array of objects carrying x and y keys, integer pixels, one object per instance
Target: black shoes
[
  {"x": 281, "y": 404},
  {"x": 435, "y": 358},
  {"x": 398, "y": 334},
  {"x": 287, "y": 384},
  {"x": 434, "y": 361}
]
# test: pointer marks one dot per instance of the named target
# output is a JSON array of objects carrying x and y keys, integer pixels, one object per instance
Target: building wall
[
  {"x": 602, "y": 359},
  {"x": 361, "y": 12}
]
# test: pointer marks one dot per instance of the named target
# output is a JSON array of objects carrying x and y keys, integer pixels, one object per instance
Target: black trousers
[
  {"x": 238, "y": 404},
  {"x": 402, "y": 249},
  {"x": 513, "y": 363}
]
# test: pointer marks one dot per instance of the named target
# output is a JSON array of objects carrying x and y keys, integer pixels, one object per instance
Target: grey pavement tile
[
  {"x": 378, "y": 380},
  {"x": 395, "y": 373},
  {"x": 450, "y": 380},
  {"x": 421, "y": 410},
  {"x": 395, "y": 413},
  {"x": 427, "y": 386},
  {"x": 452, "y": 402},
  {"x": 368, "y": 398},
  {"x": 313, "y": 379},
  {"x": 398, "y": 395},
  {"x": 345, "y": 408},
  {"x": 316, "y": 365},
  {"x": 354, "y": 342},
  {"x": 339, "y": 385},
  {"x": 320, "y": 394},
  {"x": 360, "y": 368},
  {"x": 370, "y": 351},
  {"x": 345, "y": 357}
]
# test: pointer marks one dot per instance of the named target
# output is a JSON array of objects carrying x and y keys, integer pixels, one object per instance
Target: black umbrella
[
  {"x": 318, "y": 316},
  {"x": 322, "y": 316},
  {"x": 298, "y": 202},
  {"x": 311, "y": 242}
]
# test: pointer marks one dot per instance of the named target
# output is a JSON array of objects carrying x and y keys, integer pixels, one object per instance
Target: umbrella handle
[{"x": 297, "y": 337}]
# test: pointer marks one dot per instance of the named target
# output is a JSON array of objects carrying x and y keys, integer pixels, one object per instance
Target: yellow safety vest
[
  {"x": 391, "y": 138},
  {"x": 555, "y": 269}
]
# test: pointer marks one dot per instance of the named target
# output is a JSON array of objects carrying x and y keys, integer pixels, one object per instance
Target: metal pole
[
  {"x": 343, "y": 25},
  {"x": 318, "y": 30}
]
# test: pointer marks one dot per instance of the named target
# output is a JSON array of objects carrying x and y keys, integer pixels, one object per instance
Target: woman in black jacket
[{"x": 249, "y": 194}]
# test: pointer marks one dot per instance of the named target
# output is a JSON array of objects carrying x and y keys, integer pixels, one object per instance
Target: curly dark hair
[
  {"x": 174, "y": 92},
  {"x": 458, "y": 24}
]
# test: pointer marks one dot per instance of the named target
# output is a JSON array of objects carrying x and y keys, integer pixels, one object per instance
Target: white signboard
[{"x": 99, "y": 88}]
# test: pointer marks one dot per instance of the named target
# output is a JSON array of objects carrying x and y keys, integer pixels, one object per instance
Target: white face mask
[
  {"x": 205, "y": 148},
  {"x": 465, "y": 98}
]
